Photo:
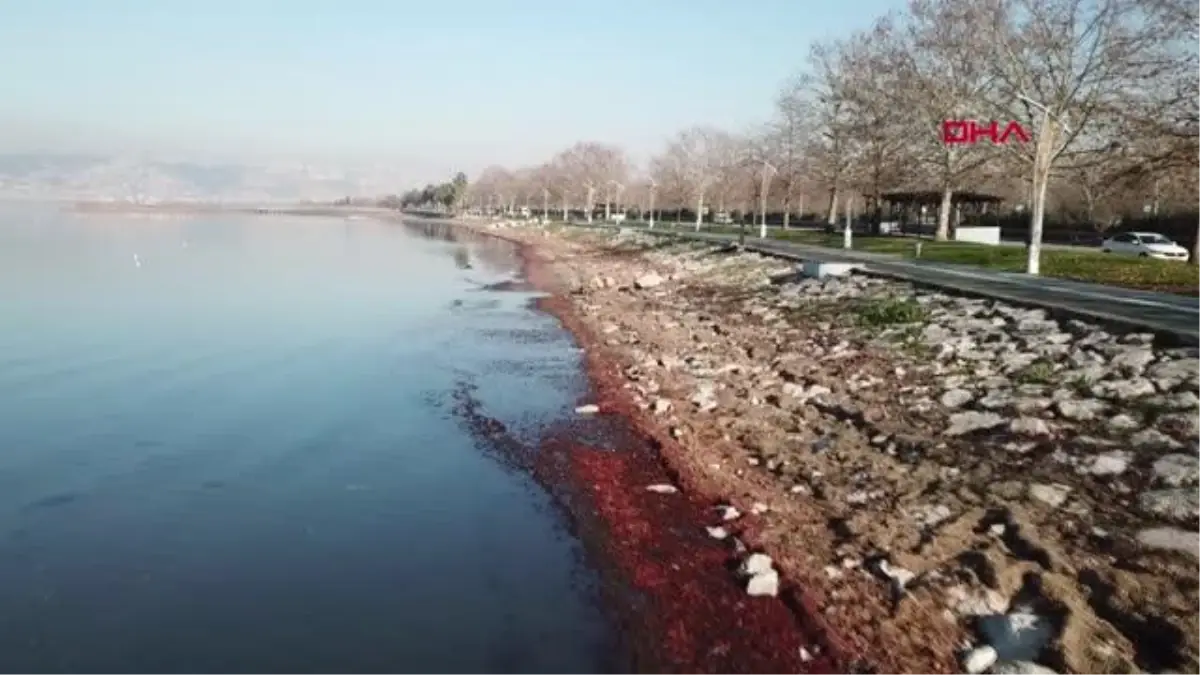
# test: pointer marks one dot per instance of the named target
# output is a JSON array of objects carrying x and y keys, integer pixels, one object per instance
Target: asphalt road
[{"x": 1177, "y": 316}]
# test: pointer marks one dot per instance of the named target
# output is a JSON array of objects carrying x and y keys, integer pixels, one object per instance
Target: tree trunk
[
  {"x": 787, "y": 207},
  {"x": 1033, "y": 260},
  {"x": 566, "y": 211},
  {"x": 943, "y": 224},
  {"x": 833, "y": 207},
  {"x": 699, "y": 211},
  {"x": 591, "y": 204}
]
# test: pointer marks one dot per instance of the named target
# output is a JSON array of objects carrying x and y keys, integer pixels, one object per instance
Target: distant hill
[{"x": 100, "y": 178}]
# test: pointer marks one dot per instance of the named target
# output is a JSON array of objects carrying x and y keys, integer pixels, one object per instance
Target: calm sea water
[{"x": 226, "y": 445}]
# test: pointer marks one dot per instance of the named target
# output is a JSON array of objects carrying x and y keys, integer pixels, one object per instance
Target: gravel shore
[{"x": 950, "y": 483}]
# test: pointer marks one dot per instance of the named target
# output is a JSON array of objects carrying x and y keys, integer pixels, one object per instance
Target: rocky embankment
[{"x": 957, "y": 483}]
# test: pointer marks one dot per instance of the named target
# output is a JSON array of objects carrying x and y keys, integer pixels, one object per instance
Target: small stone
[
  {"x": 589, "y": 409},
  {"x": 1176, "y": 370},
  {"x": 1133, "y": 360},
  {"x": 1029, "y": 426},
  {"x": 1124, "y": 390},
  {"x": 717, "y": 532},
  {"x": 661, "y": 405},
  {"x": 647, "y": 281},
  {"x": 1176, "y": 470},
  {"x": 932, "y": 515},
  {"x": 1187, "y": 424},
  {"x": 729, "y": 513},
  {"x": 1032, "y": 404},
  {"x": 980, "y": 659},
  {"x": 1111, "y": 463},
  {"x": 1122, "y": 422},
  {"x": 758, "y": 508},
  {"x": 1053, "y": 494},
  {"x": 971, "y": 421},
  {"x": 1180, "y": 505},
  {"x": 1080, "y": 410},
  {"x": 1171, "y": 539},
  {"x": 976, "y": 601},
  {"x": 956, "y": 398},
  {"x": 1184, "y": 400},
  {"x": 996, "y": 400},
  {"x": 763, "y": 584},
  {"x": 998, "y": 529},
  {"x": 662, "y": 489},
  {"x": 1153, "y": 439},
  {"x": 756, "y": 563},
  {"x": 805, "y": 655}
]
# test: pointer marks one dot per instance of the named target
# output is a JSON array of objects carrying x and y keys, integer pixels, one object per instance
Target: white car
[{"x": 1145, "y": 245}]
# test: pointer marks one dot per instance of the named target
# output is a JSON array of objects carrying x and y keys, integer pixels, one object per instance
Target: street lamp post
[
  {"x": 766, "y": 177},
  {"x": 653, "y": 187},
  {"x": 848, "y": 233}
]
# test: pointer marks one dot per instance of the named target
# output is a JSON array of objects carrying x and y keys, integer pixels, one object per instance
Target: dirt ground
[{"x": 915, "y": 545}]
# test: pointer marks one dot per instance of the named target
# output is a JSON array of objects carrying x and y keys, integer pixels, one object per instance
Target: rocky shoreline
[{"x": 941, "y": 483}]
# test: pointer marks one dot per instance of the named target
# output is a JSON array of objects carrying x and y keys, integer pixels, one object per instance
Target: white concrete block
[{"x": 819, "y": 270}]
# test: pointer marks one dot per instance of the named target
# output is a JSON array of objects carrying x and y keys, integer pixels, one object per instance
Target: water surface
[{"x": 226, "y": 445}]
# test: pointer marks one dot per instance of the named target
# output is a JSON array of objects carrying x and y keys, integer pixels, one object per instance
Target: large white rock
[
  {"x": 648, "y": 281},
  {"x": 980, "y": 659},
  {"x": 763, "y": 584},
  {"x": 756, "y": 563}
]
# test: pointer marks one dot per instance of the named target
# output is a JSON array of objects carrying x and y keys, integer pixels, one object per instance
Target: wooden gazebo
[{"x": 915, "y": 211}]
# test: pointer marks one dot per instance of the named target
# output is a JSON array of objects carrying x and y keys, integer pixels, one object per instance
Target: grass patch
[
  {"x": 1038, "y": 372},
  {"x": 1094, "y": 266},
  {"x": 889, "y": 312},
  {"x": 1167, "y": 276}
]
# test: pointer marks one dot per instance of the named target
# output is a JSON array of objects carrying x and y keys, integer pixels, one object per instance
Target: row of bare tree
[{"x": 1107, "y": 89}]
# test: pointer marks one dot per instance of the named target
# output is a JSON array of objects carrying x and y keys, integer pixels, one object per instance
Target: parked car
[{"x": 1145, "y": 245}]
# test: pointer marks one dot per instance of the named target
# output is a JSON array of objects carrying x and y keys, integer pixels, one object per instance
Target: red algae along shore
[{"x": 670, "y": 586}]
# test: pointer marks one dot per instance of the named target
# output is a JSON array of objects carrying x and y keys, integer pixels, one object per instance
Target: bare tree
[
  {"x": 1059, "y": 63},
  {"x": 788, "y": 136},
  {"x": 667, "y": 173},
  {"x": 942, "y": 74},
  {"x": 562, "y": 177},
  {"x": 494, "y": 188},
  {"x": 694, "y": 153},
  {"x": 593, "y": 165},
  {"x": 880, "y": 148},
  {"x": 824, "y": 91},
  {"x": 1161, "y": 114}
]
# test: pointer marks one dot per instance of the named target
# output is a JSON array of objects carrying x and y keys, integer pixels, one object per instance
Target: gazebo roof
[{"x": 935, "y": 197}]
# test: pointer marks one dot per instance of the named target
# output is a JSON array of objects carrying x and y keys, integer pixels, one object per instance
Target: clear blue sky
[{"x": 468, "y": 82}]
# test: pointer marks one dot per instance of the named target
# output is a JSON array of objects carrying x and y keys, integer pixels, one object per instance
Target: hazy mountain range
[{"x": 81, "y": 177}]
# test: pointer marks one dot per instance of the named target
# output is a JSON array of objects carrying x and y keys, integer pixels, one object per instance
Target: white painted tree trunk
[
  {"x": 1033, "y": 258},
  {"x": 833, "y": 207},
  {"x": 699, "y": 211},
  {"x": 943, "y": 226}
]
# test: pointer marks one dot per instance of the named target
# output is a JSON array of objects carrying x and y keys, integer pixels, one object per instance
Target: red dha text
[{"x": 968, "y": 132}]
